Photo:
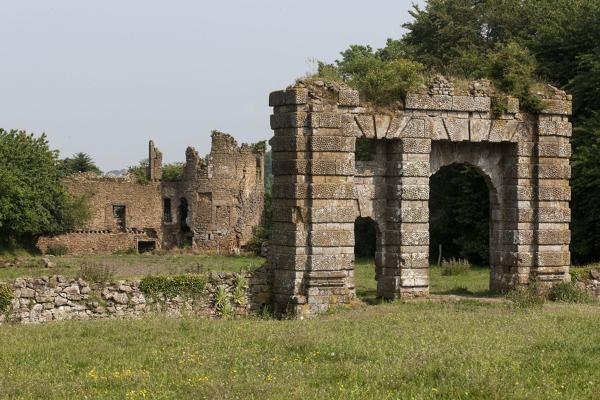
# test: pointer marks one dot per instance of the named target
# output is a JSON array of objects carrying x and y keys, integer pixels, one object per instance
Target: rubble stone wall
[
  {"x": 54, "y": 298},
  {"x": 320, "y": 189}
]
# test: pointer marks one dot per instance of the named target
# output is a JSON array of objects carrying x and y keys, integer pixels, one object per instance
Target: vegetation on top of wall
[
  {"x": 140, "y": 172},
  {"x": 172, "y": 286},
  {"x": 386, "y": 75},
  {"x": 259, "y": 146},
  {"x": 172, "y": 172},
  {"x": 6, "y": 297}
]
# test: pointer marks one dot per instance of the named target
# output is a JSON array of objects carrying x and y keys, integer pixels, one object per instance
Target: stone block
[
  {"x": 480, "y": 129},
  {"x": 325, "y": 120},
  {"x": 503, "y": 130},
  {"x": 554, "y": 149},
  {"x": 289, "y": 120},
  {"x": 397, "y": 124},
  {"x": 426, "y": 102},
  {"x": 415, "y": 128},
  {"x": 557, "y": 107},
  {"x": 471, "y": 104},
  {"x": 382, "y": 123},
  {"x": 348, "y": 98},
  {"x": 549, "y": 127},
  {"x": 458, "y": 129}
]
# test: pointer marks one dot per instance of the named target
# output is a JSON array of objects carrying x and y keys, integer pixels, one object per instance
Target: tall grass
[{"x": 465, "y": 350}]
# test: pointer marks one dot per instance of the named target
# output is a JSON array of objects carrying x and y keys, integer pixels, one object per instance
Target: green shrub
[
  {"x": 239, "y": 290},
  {"x": 172, "y": 172},
  {"x": 568, "y": 292},
  {"x": 455, "y": 266},
  {"x": 259, "y": 236},
  {"x": 512, "y": 67},
  {"x": 172, "y": 286},
  {"x": 6, "y": 297},
  {"x": 499, "y": 105},
  {"x": 580, "y": 274},
  {"x": 529, "y": 296},
  {"x": 222, "y": 303},
  {"x": 96, "y": 272},
  {"x": 57, "y": 249}
]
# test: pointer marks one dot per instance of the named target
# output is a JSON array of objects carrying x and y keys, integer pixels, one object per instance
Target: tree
[
  {"x": 79, "y": 162},
  {"x": 32, "y": 199}
]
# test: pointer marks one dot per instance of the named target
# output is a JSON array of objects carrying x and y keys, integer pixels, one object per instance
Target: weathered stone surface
[
  {"x": 45, "y": 301},
  {"x": 319, "y": 192}
]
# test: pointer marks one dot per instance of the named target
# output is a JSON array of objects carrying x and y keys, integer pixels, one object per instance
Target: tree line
[{"x": 517, "y": 44}]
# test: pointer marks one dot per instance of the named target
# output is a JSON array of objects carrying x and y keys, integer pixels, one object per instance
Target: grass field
[
  {"x": 475, "y": 282},
  {"x": 465, "y": 350},
  {"x": 426, "y": 350},
  {"x": 133, "y": 265}
]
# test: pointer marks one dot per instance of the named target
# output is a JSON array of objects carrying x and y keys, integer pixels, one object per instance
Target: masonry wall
[
  {"x": 92, "y": 242},
  {"x": 319, "y": 189},
  {"x": 143, "y": 202}
]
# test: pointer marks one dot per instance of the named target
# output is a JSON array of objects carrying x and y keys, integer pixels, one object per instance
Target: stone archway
[
  {"x": 319, "y": 189},
  {"x": 490, "y": 161}
]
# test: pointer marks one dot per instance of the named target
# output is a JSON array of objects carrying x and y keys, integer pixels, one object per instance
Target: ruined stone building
[
  {"x": 213, "y": 206},
  {"x": 320, "y": 189}
]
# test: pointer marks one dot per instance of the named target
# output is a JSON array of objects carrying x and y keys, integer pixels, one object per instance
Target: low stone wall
[
  {"x": 38, "y": 300},
  {"x": 590, "y": 283},
  {"x": 81, "y": 243}
]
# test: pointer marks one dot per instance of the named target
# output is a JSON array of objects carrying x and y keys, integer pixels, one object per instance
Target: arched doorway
[
  {"x": 459, "y": 230},
  {"x": 466, "y": 227}
]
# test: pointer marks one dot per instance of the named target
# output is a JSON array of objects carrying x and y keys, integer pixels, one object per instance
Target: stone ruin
[
  {"x": 214, "y": 205},
  {"x": 319, "y": 188}
]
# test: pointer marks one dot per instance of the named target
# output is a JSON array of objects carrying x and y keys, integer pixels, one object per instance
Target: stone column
[
  {"x": 551, "y": 233},
  {"x": 406, "y": 235},
  {"x": 312, "y": 250}
]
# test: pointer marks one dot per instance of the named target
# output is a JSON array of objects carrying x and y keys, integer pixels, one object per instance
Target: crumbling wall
[{"x": 224, "y": 194}]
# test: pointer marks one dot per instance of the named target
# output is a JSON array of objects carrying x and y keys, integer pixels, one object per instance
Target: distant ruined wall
[
  {"x": 91, "y": 242},
  {"x": 213, "y": 207},
  {"x": 224, "y": 195}
]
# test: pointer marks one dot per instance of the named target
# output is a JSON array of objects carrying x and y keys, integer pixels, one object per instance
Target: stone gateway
[{"x": 320, "y": 189}]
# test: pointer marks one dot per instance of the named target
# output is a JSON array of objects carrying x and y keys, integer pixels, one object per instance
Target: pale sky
[{"x": 104, "y": 77}]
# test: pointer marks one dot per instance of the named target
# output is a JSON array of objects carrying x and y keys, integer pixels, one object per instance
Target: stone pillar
[
  {"x": 406, "y": 235},
  {"x": 312, "y": 249},
  {"x": 154, "y": 171},
  {"x": 551, "y": 234}
]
